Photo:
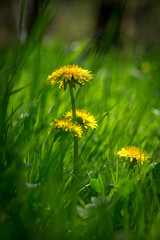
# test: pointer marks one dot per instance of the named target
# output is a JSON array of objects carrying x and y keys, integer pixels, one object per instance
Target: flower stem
[{"x": 75, "y": 138}]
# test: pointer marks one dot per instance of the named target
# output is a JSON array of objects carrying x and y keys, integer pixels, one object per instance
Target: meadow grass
[{"x": 36, "y": 167}]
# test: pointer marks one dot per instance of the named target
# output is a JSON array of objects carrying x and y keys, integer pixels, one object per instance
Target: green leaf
[
  {"x": 96, "y": 185},
  {"x": 125, "y": 187},
  {"x": 81, "y": 212},
  {"x": 104, "y": 179}
]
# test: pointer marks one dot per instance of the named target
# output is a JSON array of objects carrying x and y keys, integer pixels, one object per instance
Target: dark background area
[{"x": 125, "y": 21}]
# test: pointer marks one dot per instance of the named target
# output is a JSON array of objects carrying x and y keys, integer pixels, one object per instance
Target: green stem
[
  {"x": 76, "y": 156},
  {"x": 73, "y": 102},
  {"x": 75, "y": 138}
]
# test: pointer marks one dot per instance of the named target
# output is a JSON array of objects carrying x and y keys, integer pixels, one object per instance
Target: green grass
[{"x": 36, "y": 169}]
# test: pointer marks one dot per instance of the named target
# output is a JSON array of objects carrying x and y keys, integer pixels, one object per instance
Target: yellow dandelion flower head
[
  {"x": 67, "y": 125},
  {"x": 133, "y": 153},
  {"x": 84, "y": 118},
  {"x": 67, "y": 74}
]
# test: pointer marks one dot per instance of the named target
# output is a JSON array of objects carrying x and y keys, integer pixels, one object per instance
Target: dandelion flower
[
  {"x": 67, "y": 74},
  {"x": 133, "y": 153},
  {"x": 84, "y": 118},
  {"x": 67, "y": 125}
]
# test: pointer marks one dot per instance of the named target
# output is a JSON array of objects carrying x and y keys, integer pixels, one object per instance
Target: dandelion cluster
[
  {"x": 76, "y": 121},
  {"x": 67, "y": 125},
  {"x": 133, "y": 153},
  {"x": 84, "y": 118},
  {"x": 75, "y": 75},
  {"x": 69, "y": 74}
]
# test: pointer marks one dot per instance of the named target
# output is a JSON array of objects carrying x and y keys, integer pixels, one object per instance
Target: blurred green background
[
  {"x": 119, "y": 42},
  {"x": 129, "y": 20}
]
